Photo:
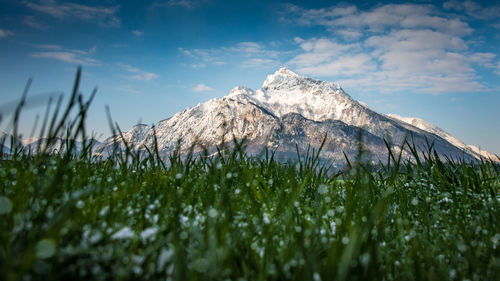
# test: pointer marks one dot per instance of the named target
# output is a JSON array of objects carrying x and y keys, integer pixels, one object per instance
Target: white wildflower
[
  {"x": 148, "y": 233},
  {"x": 124, "y": 233},
  {"x": 322, "y": 189},
  {"x": 212, "y": 213}
]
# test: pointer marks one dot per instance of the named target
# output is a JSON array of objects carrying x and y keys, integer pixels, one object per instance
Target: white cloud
[
  {"x": 246, "y": 54},
  {"x": 185, "y": 52},
  {"x": 349, "y": 21},
  {"x": 57, "y": 52},
  {"x": 34, "y": 23},
  {"x": 189, "y": 4},
  {"x": 257, "y": 62},
  {"x": 298, "y": 40},
  {"x": 350, "y": 34},
  {"x": 137, "y": 33},
  {"x": 105, "y": 16},
  {"x": 198, "y": 65},
  {"x": 202, "y": 88},
  {"x": 324, "y": 57},
  {"x": 5, "y": 33},
  {"x": 48, "y": 46},
  {"x": 66, "y": 56},
  {"x": 248, "y": 47},
  {"x": 398, "y": 48},
  {"x": 138, "y": 74},
  {"x": 474, "y": 10},
  {"x": 483, "y": 59}
]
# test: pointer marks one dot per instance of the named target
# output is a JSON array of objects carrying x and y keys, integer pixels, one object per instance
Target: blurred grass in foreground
[{"x": 236, "y": 217}]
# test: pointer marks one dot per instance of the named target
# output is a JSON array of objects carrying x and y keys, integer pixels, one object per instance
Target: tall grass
[{"x": 231, "y": 216}]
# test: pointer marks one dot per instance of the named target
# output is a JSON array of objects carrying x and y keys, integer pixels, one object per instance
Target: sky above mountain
[{"x": 439, "y": 61}]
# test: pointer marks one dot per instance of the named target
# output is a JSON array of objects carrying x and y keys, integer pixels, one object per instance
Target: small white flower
[
  {"x": 124, "y": 233},
  {"x": 80, "y": 204},
  {"x": 453, "y": 274},
  {"x": 414, "y": 201},
  {"x": 45, "y": 248},
  {"x": 104, "y": 211},
  {"x": 164, "y": 257},
  {"x": 148, "y": 232},
  {"x": 266, "y": 219},
  {"x": 322, "y": 189},
  {"x": 345, "y": 240},
  {"x": 365, "y": 259},
  {"x": 178, "y": 176},
  {"x": 212, "y": 213},
  {"x": 330, "y": 213}
]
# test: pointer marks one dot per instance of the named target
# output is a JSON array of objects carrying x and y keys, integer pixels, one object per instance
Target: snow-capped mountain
[
  {"x": 288, "y": 110},
  {"x": 426, "y": 126},
  {"x": 35, "y": 144}
]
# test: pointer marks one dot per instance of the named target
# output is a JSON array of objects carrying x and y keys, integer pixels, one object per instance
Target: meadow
[{"x": 232, "y": 216}]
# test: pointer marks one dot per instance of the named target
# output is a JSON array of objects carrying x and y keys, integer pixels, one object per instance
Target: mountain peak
[
  {"x": 262, "y": 117},
  {"x": 282, "y": 75},
  {"x": 287, "y": 72},
  {"x": 241, "y": 90}
]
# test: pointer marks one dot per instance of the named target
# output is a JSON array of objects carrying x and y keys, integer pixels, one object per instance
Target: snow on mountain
[
  {"x": 288, "y": 110},
  {"x": 483, "y": 153},
  {"x": 33, "y": 144},
  {"x": 426, "y": 126}
]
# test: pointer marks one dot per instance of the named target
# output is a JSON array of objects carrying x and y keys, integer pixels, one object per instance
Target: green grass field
[{"x": 236, "y": 217}]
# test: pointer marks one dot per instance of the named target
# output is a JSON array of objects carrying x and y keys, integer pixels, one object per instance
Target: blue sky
[{"x": 439, "y": 61}]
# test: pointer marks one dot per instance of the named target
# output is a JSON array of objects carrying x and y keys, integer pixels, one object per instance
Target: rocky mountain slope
[
  {"x": 288, "y": 111},
  {"x": 426, "y": 126}
]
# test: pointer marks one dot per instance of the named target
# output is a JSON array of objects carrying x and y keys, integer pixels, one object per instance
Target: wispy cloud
[
  {"x": 398, "y": 48},
  {"x": 189, "y": 4},
  {"x": 137, "y": 33},
  {"x": 74, "y": 56},
  {"x": 202, "y": 88},
  {"x": 138, "y": 74},
  {"x": 105, "y": 16},
  {"x": 48, "y": 46},
  {"x": 474, "y": 10},
  {"x": 348, "y": 20},
  {"x": 69, "y": 57},
  {"x": 32, "y": 22},
  {"x": 245, "y": 54},
  {"x": 198, "y": 65},
  {"x": 5, "y": 33},
  {"x": 257, "y": 62}
]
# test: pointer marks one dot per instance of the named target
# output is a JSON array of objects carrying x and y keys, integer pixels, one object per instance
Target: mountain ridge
[{"x": 289, "y": 110}]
